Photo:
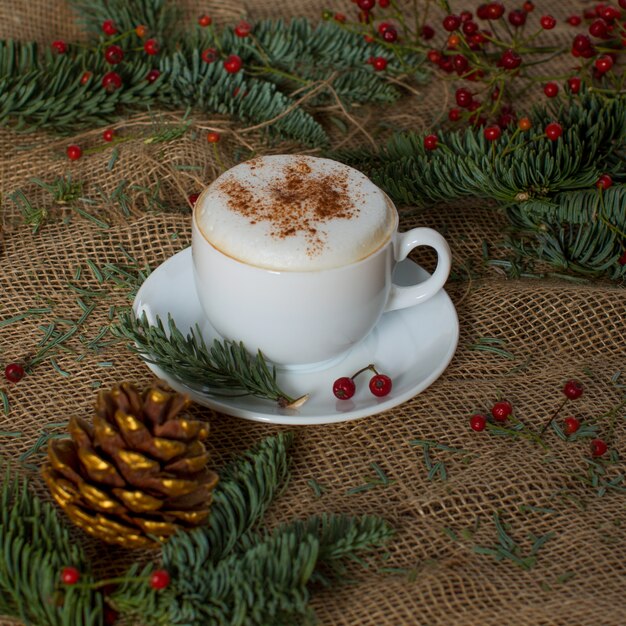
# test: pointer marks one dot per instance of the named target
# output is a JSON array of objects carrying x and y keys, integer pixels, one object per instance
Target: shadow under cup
[{"x": 295, "y": 318}]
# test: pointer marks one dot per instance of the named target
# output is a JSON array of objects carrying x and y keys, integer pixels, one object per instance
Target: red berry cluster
[
  {"x": 501, "y": 411},
  {"x": 472, "y": 46},
  {"x": 380, "y": 384}
]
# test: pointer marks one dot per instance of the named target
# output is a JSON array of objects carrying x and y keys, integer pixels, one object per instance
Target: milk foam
[{"x": 295, "y": 213}]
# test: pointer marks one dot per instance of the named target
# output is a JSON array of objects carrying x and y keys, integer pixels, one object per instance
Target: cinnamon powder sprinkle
[{"x": 299, "y": 202}]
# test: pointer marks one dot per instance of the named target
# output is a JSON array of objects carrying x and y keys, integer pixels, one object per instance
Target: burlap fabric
[{"x": 555, "y": 330}]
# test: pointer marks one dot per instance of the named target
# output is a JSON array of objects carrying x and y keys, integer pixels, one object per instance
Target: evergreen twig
[{"x": 224, "y": 368}]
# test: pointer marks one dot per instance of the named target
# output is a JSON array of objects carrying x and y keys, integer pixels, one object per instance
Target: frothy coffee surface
[{"x": 297, "y": 213}]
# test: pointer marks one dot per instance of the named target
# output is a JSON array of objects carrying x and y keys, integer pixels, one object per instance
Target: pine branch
[
  {"x": 36, "y": 546},
  {"x": 229, "y": 574},
  {"x": 339, "y": 536},
  {"x": 465, "y": 164},
  {"x": 208, "y": 87},
  {"x": 583, "y": 231},
  {"x": 226, "y": 368}
]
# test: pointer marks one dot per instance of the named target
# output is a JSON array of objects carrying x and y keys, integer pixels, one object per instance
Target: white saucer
[{"x": 413, "y": 346}]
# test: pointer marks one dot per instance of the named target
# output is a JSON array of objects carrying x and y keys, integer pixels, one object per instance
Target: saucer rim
[{"x": 267, "y": 412}]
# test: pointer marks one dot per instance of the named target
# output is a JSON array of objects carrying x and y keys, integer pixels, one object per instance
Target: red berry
[
  {"x": 463, "y": 97},
  {"x": 379, "y": 63},
  {"x": 430, "y": 142},
  {"x": 603, "y": 64},
  {"x": 574, "y": 20},
  {"x": 340, "y": 17},
  {"x": 466, "y": 16},
  {"x": 366, "y": 5},
  {"x": 108, "y": 27},
  {"x": 573, "y": 389},
  {"x": 14, "y": 372},
  {"x": 581, "y": 43},
  {"x": 213, "y": 137},
  {"x": 111, "y": 81},
  {"x": 574, "y": 84},
  {"x": 390, "y": 35},
  {"x": 84, "y": 79},
  {"x": 510, "y": 60},
  {"x": 205, "y": 20},
  {"x": 140, "y": 31},
  {"x": 492, "y": 133},
  {"x": 209, "y": 55},
  {"x": 109, "y": 616},
  {"x": 470, "y": 28},
  {"x": 70, "y": 575},
  {"x": 344, "y": 388},
  {"x": 598, "y": 28},
  {"x": 152, "y": 75},
  {"x": 460, "y": 63},
  {"x": 159, "y": 579},
  {"x": 434, "y": 56},
  {"x": 113, "y": 55},
  {"x": 383, "y": 4},
  {"x": 59, "y": 46},
  {"x": 528, "y": 6},
  {"x": 428, "y": 32},
  {"x": 151, "y": 46},
  {"x": 610, "y": 14},
  {"x": 506, "y": 119},
  {"x": 451, "y": 22},
  {"x": 598, "y": 447},
  {"x": 454, "y": 115},
  {"x": 517, "y": 17},
  {"x": 243, "y": 29},
  {"x": 481, "y": 12},
  {"x": 383, "y": 26},
  {"x": 192, "y": 198},
  {"x": 604, "y": 182},
  {"x": 525, "y": 123},
  {"x": 74, "y": 152},
  {"x": 495, "y": 10},
  {"x": 380, "y": 385},
  {"x": 553, "y": 131},
  {"x": 571, "y": 425},
  {"x": 622, "y": 259},
  {"x": 107, "y": 135},
  {"x": 233, "y": 64},
  {"x": 501, "y": 410},
  {"x": 478, "y": 422},
  {"x": 547, "y": 22},
  {"x": 551, "y": 90}
]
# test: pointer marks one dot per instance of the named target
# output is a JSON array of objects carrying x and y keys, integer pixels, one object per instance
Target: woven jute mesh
[{"x": 554, "y": 330}]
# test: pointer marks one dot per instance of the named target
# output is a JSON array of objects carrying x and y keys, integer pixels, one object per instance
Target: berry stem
[
  {"x": 552, "y": 417},
  {"x": 370, "y": 367}
]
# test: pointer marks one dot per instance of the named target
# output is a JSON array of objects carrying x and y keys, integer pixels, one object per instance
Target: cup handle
[{"x": 403, "y": 243}]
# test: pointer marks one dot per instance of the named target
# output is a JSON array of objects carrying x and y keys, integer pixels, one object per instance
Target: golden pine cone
[{"x": 138, "y": 473}]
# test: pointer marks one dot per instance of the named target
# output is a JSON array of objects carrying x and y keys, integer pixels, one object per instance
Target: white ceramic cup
[{"x": 309, "y": 317}]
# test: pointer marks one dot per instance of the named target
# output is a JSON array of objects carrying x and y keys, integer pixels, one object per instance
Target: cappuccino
[{"x": 295, "y": 213}]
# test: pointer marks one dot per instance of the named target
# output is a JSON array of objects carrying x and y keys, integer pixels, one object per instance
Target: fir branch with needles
[{"x": 225, "y": 368}]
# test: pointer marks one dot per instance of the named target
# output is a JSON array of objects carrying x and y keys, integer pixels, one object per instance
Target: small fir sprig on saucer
[{"x": 225, "y": 368}]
